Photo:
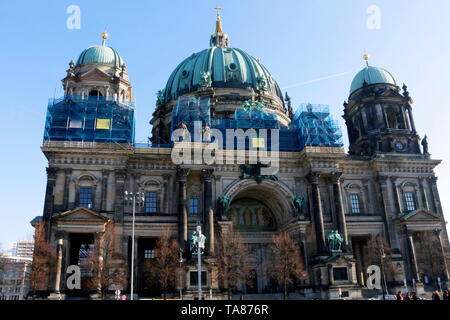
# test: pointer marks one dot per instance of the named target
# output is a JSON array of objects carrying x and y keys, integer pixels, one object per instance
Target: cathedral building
[{"x": 384, "y": 186}]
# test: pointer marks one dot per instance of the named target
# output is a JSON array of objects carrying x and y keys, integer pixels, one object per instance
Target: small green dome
[
  {"x": 100, "y": 54},
  {"x": 371, "y": 75},
  {"x": 226, "y": 67}
]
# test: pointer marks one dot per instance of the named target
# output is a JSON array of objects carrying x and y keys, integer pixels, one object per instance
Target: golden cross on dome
[{"x": 218, "y": 11}]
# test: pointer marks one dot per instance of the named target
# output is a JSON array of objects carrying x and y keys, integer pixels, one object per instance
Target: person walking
[
  {"x": 408, "y": 296},
  {"x": 446, "y": 294},
  {"x": 399, "y": 296},
  {"x": 436, "y": 296},
  {"x": 414, "y": 296}
]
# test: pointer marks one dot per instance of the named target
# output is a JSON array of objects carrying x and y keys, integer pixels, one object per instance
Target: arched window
[{"x": 391, "y": 116}]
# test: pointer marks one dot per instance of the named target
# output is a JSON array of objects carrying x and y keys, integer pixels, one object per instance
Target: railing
[{"x": 79, "y": 98}]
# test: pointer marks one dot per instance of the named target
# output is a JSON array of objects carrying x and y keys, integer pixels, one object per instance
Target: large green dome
[
  {"x": 371, "y": 75},
  {"x": 227, "y": 68},
  {"x": 100, "y": 54}
]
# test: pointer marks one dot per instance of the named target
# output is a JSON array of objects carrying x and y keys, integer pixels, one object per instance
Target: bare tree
[
  {"x": 164, "y": 267},
  {"x": 379, "y": 253},
  {"x": 106, "y": 264},
  {"x": 429, "y": 254},
  {"x": 285, "y": 263},
  {"x": 232, "y": 260},
  {"x": 44, "y": 258}
]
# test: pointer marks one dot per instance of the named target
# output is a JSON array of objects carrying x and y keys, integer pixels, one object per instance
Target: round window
[
  {"x": 185, "y": 73},
  {"x": 233, "y": 66}
]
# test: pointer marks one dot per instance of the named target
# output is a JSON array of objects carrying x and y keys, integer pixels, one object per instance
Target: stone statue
[
  {"x": 424, "y": 144},
  {"x": 205, "y": 79},
  {"x": 160, "y": 97},
  {"x": 185, "y": 129},
  {"x": 224, "y": 202},
  {"x": 298, "y": 203},
  {"x": 206, "y": 133},
  {"x": 335, "y": 241},
  {"x": 253, "y": 171},
  {"x": 194, "y": 242}
]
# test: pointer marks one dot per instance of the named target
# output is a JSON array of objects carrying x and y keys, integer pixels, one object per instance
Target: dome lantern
[{"x": 218, "y": 38}]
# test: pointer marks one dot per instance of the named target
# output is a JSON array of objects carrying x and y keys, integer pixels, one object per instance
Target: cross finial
[{"x": 218, "y": 11}]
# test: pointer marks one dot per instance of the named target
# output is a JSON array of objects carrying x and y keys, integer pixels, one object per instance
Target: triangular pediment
[
  {"x": 94, "y": 74},
  {"x": 81, "y": 214},
  {"x": 420, "y": 215}
]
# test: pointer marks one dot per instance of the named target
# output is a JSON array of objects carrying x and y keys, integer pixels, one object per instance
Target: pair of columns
[
  {"x": 313, "y": 178},
  {"x": 412, "y": 250},
  {"x": 208, "y": 225}
]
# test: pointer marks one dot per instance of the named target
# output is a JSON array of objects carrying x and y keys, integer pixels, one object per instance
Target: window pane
[
  {"x": 86, "y": 197},
  {"x": 410, "y": 201},
  {"x": 193, "y": 207},
  {"x": 150, "y": 202},
  {"x": 354, "y": 201}
]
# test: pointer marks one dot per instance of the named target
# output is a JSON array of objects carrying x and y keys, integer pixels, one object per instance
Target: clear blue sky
[{"x": 298, "y": 41}]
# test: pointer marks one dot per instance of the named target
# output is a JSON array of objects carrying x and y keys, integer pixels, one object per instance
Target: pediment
[
  {"x": 81, "y": 214},
  {"x": 95, "y": 74},
  {"x": 420, "y": 215}
]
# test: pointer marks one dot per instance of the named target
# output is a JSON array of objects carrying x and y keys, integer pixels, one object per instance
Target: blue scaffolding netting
[
  {"x": 89, "y": 119},
  {"x": 96, "y": 119}
]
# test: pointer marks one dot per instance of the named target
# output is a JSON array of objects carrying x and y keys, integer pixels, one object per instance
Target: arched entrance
[{"x": 258, "y": 211}]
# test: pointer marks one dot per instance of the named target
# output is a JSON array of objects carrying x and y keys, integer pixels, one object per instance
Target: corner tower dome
[
  {"x": 101, "y": 54},
  {"x": 371, "y": 75}
]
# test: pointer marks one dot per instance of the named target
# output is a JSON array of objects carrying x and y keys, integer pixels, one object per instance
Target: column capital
[
  {"x": 437, "y": 232},
  {"x": 68, "y": 170},
  {"x": 51, "y": 173},
  {"x": 313, "y": 177},
  {"x": 120, "y": 174},
  {"x": 182, "y": 173},
  {"x": 382, "y": 179},
  {"x": 433, "y": 179},
  {"x": 336, "y": 177},
  {"x": 208, "y": 174}
]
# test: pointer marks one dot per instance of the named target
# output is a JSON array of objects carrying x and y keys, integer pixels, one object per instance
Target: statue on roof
[
  {"x": 205, "y": 81},
  {"x": 206, "y": 133},
  {"x": 424, "y": 144}
]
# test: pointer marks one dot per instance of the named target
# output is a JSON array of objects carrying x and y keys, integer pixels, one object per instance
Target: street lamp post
[
  {"x": 130, "y": 197},
  {"x": 199, "y": 260},
  {"x": 382, "y": 256},
  {"x": 181, "y": 279}
]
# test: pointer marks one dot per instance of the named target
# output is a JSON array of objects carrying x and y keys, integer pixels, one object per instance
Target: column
[
  {"x": 208, "y": 211},
  {"x": 425, "y": 203},
  {"x": 339, "y": 206},
  {"x": 166, "y": 184},
  {"x": 49, "y": 198},
  {"x": 359, "y": 265},
  {"x": 119, "y": 175},
  {"x": 59, "y": 264},
  {"x": 396, "y": 195},
  {"x": 100, "y": 259},
  {"x": 368, "y": 192},
  {"x": 105, "y": 175},
  {"x": 182, "y": 207},
  {"x": 318, "y": 215},
  {"x": 412, "y": 250},
  {"x": 411, "y": 119},
  {"x": 435, "y": 194},
  {"x": 67, "y": 176},
  {"x": 386, "y": 210},
  {"x": 437, "y": 234}
]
